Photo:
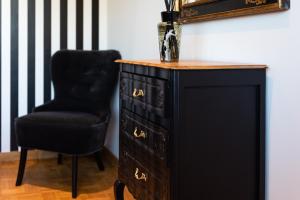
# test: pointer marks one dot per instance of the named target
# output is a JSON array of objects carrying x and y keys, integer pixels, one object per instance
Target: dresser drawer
[
  {"x": 147, "y": 71},
  {"x": 141, "y": 182},
  {"x": 150, "y": 94},
  {"x": 144, "y": 134}
]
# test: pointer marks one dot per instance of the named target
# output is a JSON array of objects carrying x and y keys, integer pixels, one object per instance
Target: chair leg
[
  {"x": 22, "y": 164},
  {"x": 59, "y": 158},
  {"x": 119, "y": 190},
  {"x": 74, "y": 175},
  {"x": 99, "y": 160}
]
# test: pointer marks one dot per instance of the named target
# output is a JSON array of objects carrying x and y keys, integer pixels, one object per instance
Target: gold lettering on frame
[
  {"x": 256, "y": 2},
  {"x": 189, "y": 13}
]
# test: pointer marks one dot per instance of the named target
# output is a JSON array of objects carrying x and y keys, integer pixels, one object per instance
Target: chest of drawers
[{"x": 191, "y": 130}]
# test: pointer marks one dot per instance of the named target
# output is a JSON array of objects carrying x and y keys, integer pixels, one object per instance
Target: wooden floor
[{"x": 45, "y": 180}]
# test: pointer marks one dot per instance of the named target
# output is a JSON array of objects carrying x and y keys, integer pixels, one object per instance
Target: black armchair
[{"x": 75, "y": 122}]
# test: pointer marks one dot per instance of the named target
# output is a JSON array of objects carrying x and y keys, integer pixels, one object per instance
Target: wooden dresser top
[{"x": 192, "y": 65}]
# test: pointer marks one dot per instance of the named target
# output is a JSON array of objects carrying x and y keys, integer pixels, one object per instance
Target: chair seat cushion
[{"x": 64, "y": 132}]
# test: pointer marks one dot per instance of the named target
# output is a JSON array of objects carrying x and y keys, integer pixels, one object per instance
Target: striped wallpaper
[{"x": 31, "y": 31}]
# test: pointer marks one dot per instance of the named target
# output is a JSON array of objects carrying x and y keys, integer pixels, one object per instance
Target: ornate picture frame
[{"x": 204, "y": 10}]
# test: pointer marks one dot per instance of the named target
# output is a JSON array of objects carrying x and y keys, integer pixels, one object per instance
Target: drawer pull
[
  {"x": 141, "y": 135},
  {"x": 138, "y": 93},
  {"x": 142, "y": 177}
]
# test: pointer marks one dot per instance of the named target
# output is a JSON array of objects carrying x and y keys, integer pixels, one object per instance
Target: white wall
[{"x": 271, "y": 39}]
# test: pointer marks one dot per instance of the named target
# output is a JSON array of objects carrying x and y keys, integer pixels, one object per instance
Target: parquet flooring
[{"x": 46, "y": 180}]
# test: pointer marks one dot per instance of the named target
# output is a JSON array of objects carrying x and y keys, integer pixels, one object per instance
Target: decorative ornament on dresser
[{"x": 169, "y": 33}]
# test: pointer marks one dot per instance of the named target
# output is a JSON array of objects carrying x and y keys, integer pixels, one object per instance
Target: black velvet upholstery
[
  {"x": 75, "y": 122},
  {"x": 64, "y": 132}
]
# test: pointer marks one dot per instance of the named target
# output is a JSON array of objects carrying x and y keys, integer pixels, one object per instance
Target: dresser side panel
[{"x": 218, "y": 144}]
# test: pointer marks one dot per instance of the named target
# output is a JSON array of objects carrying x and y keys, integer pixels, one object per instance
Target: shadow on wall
[{"x": 112, "y": 135}]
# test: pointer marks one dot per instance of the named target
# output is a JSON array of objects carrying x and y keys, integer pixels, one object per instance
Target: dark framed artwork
[{"x": 203, "y": 10}]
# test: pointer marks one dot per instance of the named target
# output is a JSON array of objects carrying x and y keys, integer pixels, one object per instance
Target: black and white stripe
[
  {"x": 14, "y": 69},
  {"x": 47, "y": 49},
  {"x": 95, "y": 24},
  {"x": 31, "y": 31},
  {"x": 63, "y": 24},
  {"x": 31, "y": 55},
  {"x": 5, "y": 75},
  {"x": 79, "y": 24}
]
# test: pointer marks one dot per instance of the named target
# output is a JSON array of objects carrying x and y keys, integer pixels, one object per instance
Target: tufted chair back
[{"x": 84, "y": 80}]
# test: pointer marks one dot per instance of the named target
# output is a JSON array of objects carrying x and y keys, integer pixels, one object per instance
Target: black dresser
[{"x": 192, "y": 131}]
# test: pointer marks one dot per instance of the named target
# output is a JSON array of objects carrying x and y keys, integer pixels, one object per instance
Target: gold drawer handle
[
  {"x": 138, "y": 93},
  {"x": 142, "y": 177},
  {"x": 141, "y": 135}
]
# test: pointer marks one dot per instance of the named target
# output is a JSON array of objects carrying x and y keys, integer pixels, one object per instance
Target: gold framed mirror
[{"x": 204, "y": 10}]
